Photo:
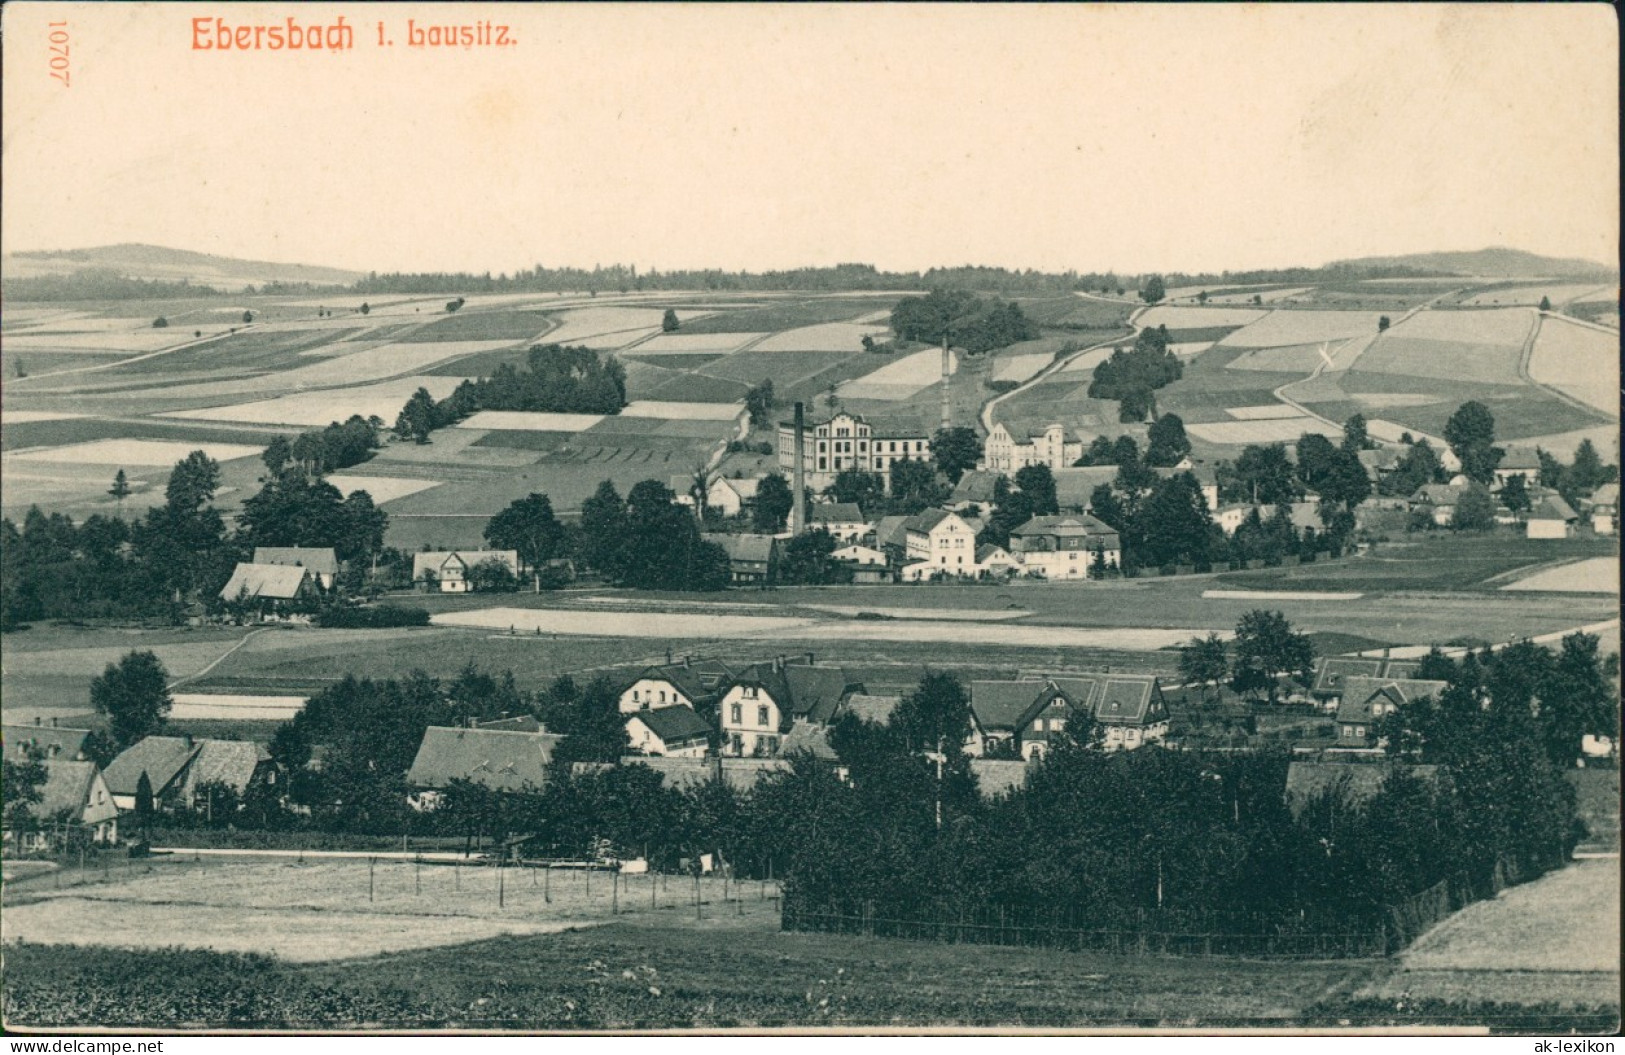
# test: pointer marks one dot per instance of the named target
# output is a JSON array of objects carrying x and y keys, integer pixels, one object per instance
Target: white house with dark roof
[
  {"x": 751, "y": 558},
  {"x": 1130, "y": 708},
  {"x": 1064, "y": 547},
  {"x": 730, "y": 496},
  {"x": 269, "y": 585},
  {"x": 1367, "y": 700},
  {"x": 996, "y": 561},
  {"x": 448, "y": 570},
  {"x": 1003, "y": 453},
  {"x": 1551, "y": 518},
  {"x": 765, "y": 700},
  {"x": 1015, "y": 717},
  {"x": 944, "y": 540},
  {"x": 688, "y": 682},
  {"x": 1603, "y": 507},
  {"x": 74, "y": 793},
  {"x": 179, "y": 769},
  {"x": 321, "y": 560},
  {"x": 844, "y": 520},
  {"x": 671, "y": 731},
  {"x": 1517, "y": 461}
]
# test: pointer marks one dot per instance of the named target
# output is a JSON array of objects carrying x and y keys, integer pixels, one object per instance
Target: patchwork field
[
  {"x": 529, "y": 421},
  {"x": 382, "y": 400},
  {"x": 1261, "y": 430},
  {"x": 144, "y": 453},
  {"x": 901, "y": 378},
  {"x": 1186, "y": 318},
  {"x": 1579, "y": 361},
  {"x": 222, "y": 706},
  {"x": 1529, "y": 294},
  {"x": 826, "y": 337},
  {"x": 380, "y": 489},
  {"x": 1281, "y": 329}
]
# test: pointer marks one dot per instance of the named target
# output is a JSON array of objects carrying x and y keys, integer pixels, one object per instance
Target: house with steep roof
[
  {"x": 44, "y": 742},
  {"x": 1333, "y": 672},
  {"x": 1130, "y": 708},
  {"x": 448, "y": 570},
  {"x": 1064, "y": 547},
  {"x": 1603, "y": 508},
  {"x": 496, "y": 759},
  {"x": 1015, "y": 717},
  {"x": 1551, "y": 518},
  {"x": 321, "y": 560},
  {"x": 976, "y": 487},
  {"x": 765, "y": 700},
  {"x": 675, "y": 731},
  {"x": 843, "y": 520},
  {"x": 1439, "y": 501},
  {"x": 1367, "y": 700},
  {"x": 752, "y": 559},
  {"x": 995, "y": 562},
  {"x": 270, "y": 587},
  {"x": 689, "y": 682},
  {"x": 180, "y": 770},
  {"x": 943, "y": 539},
  {"x": 732, "y": 497},
  {"x": 1517, "y": 461},
  {"x": 891, "y": 535},
  {"x": 73, "y": 796}
]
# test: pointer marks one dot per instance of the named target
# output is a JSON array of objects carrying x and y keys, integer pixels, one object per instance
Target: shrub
[{"x": 378, "y": 617}]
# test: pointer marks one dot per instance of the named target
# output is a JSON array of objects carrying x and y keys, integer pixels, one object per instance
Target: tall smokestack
[
  {"x": 798, "y": 510},
  {"x": 947, "y": 368}
]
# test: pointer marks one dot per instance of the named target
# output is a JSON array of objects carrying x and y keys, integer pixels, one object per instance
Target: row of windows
[
  {"x": 675, "y": 698},
  {"x": 737, "y": 714}
]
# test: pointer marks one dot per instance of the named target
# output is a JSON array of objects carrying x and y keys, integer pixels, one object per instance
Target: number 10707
[{"x": 59, "y": 52}]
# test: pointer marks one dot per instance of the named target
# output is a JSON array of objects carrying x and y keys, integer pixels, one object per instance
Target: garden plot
[
  {"x": 1597, "y": 575},
  {"x": 1182, "y": 318},
  {"x": 695, "y": 343},
  {"x": 23, "y": 417},
  {"x": 901, "y": 378},
  {"x": 157, "y": 453},
  {"x": 827, "y": 337},
  {"x": 1272, "y": 430},
  {"x": 1285, "y": 328},
  {"x": 383, "y": 401},
  {"x": 381, "y": 488},
  {"x": 1263, "y": 413},
  {"x": 529, "y": 421},
  {"x": 650, "y": 408},
  {"x": 1579, "y": 361},
  {"x": 210, "y": 706},
  {"x": 1021, "y": 367}
]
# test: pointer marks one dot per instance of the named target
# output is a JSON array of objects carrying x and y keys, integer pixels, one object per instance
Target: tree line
[
  {"x": 553, "y": 379},
  {"x": 963, "y": 319}
]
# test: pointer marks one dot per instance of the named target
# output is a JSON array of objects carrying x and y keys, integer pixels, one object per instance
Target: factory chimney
[
  {"x": 947, "y": 368},
  {"x": 798, "y": 480}
]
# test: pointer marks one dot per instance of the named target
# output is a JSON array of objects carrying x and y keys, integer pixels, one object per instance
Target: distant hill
[
  {"x": 1495, "y": 262},
  {"x": 157, "y": 263}
]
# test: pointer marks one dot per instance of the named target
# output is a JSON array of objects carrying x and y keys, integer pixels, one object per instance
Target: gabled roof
[
  {"x": 987, "y": 551},
  {"x": 1004, "y": 705},
  {"x": 1074, "y": 484},
  {"x": 498, "y": 759},
  {"x": 751, "y": 549},
  {"x": 1075, "y": 525},
  {"x": 522, "y": 723},
  {"x": 801, "y": 690},
  {"x": 229, "y": 762},
  {"x": 975, "y": 486},
  {"x": 279, "y": 582},
  {"x": 66, "y": 789},
  {"x": 1606, "y": 495},
  {"x": 53, "y": 741},
  {"x": 697, "y": 679},
  {"x": 923, "y": 522},
  {"x": 892, "y": 531},
  {"x": 1439, "y": 494},
  {"x": 836, "y": 513},
  {"x": 745, "y": 486},
  {"x": 1116, "y": 699},
  {"x": 741, "y": 774},
  {"x": 1331, "y": 673},
  {"x": 1520, "y": 459},
  {"x": 814, "y": 739},
  {"x": 1359, "y": 782},
  {"x": 321, "y": 560},
  {"x": 162, "y": 758},
  {"x": 434, "y": 560},
  {"x": 1380, "y": 458},
  {"x": 1552, "y": 507},
  {"x": 674, "y": 725},
  {"x": 876, "y": 709},
  {"x": 1360, "y": 692},
  {"x": 995, "y": 776}
]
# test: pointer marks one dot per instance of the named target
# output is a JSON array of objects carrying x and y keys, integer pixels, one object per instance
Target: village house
[
  {"x": 1333, "y": 672},
  {"x": 1603, "y": 508},
  {"x": 322, "y": 561},
  {"x": 1366, "y": 701},
  {"x": 1379, "y": 462},
  {"x": 43, "y": 742},
  {"x": 731, "y": 497},
  {"x": 766, "y": 699},
  {"x": 1130, "y": 708},
  {"x": 943, "y": 540},
  {"x": 74, "y": 799},
  {"x": 1064, "y": 547},
  {"x": 180, "y": 771},
  {"x": 689, "y": 682},
  {"x": 752, "y": 559},
  {"x": 495, "y": 759},
  {"x": 1015, "y": 719},
  {"x": 1001, "y": 453},
  {"x": 672, "y": 731},
  {"x": 847, "y": 441},
  {"x": 860, "y": 556},
  {"x": 843, "y": 520},
  {"x": 448, "y": 570},
  {"x": 1551, "y": 518},
  {"x": 1517, "y": 461},
  {"x": 1439, "y": 501},
  {"x": 993, "y": 562},
  {"x": 271, "y": 588},
  {"x": 974, "y": 490},
  {"x": 1075, "y": 487}
]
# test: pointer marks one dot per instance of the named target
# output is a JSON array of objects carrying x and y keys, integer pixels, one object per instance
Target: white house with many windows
[
  {"x": 1003, "y": 453},
  {"x": 1064, "y": 547},
  {"x": 766, "y": 699},
  {"x": 847, "y": 441},
  {"x": 943, "y": 540}
]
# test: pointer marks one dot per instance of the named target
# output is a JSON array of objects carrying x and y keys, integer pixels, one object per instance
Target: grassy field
[{"x": 788, "y": 314}]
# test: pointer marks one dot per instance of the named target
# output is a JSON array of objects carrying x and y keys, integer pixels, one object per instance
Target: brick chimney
[{"x": 798, "y": 479}]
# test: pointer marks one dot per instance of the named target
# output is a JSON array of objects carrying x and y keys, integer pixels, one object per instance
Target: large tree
[
  {"x": 1263, "y": 475},
  {"x": 1471, "y": 435},
  {"x": 1204, "y": 661},
  {"x": 1037, "y": 483},
  {"x": 192, "y": 484},
  {"x": 1166, "y": 441},
  {"x": 1266, "y": 647},
  {"x": 133, "y": 695},
  {"x": 955, "y": 450},
  {"x": 1153, "y": 290},
  {"x": 773, "y": 504},
  {"x": 528, "y": 526},
  {"x": 1475, "y": 509},
  {"x": 759, "y": 402},
  {"x": 867, "y": 490}
]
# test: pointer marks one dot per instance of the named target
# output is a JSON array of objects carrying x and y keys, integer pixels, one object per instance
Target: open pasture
[
  {"x": 751, "y": 367},
  {"x": 694, "y": 343},
  {"x": 901, "y": 378},
  {"x": 1077, "y": 312},
  {"x": 578, "y": 326},
  {"x": 788, "y": 313},
  {"x": 1499, "y": 326},
  {"x": 380, "y": 488},
  {"x": 209, "y": 706},
  {"x": 1020, "y": 367},
  {"x": 382, "y": 400},
  {"x": 1265, "y": 412},
  {"x": 155, "y": 453},
  {"x": 489, "y": 325},
  {"x": 1287, "y": 328},
  {"x": 131, "y": 342},
  {"x": 650, "y": 408},
  {"x": 1593, "y": 575},
  {"x": 1179, "y": 317},
  {"x": 698, "y": 388},
  {"x": 1522, "y": 293},
  {"x": 249, "y": 351},
  {"x": 1521, "y": 411},
  {"x": 825, "y": 337},
  {"x": 529, "y": 421},
  {"x": 1384, "y": 295},
  {"x": 1261, "y": 431},
  {"x": 28, "y": 417},
  {"x": 1579, "y": 361}
]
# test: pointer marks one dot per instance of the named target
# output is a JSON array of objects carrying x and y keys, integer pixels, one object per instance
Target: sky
[{"x": 1053, "y": 137}]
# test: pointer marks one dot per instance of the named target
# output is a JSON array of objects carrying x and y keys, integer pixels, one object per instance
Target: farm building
[
  {"x": 689, "y": 682},
  {"x": 731, "y": 497},
  {"x": 1439, "y": 501},
  {"x": 74, "y": 796},
  {"x": 1015, "y": 717},
  {"x": 751, "y": 558},
  {"x": 975, "y": 488},
  {"x": 1380, "y": 462},
  {"x": 1064, "y": 547},
  {"x": 1075, "y": 486},
  {"x": 1354, "y": 782},
  {"x": 322, "y": 561},
  {"x": 1333, "y": 672},
  {"x": 44, "y": 742},
  {"x": 844, "y": 520},
  {"x": 1002, "y": 453},
  {"x": 179, "y": 770},
  {"x": 766, "y": 699},
  {"x": 891, "y": 535},
  {"x": 496, "y": 759},
  {"x": 1517, "y": 461},
  {"x": 1367, "y": 700},
  {"x": 1130, "y": 708},
  {"x": 993, "y": 561},
  {"x": 675, "y": 731},
  {"x": 450, "y": 570},
  {"x": 1604, "y": 508},
  {"x": 847, "y": 441},
  {"x": 944, "y": 540},
  {"x": 860, "y": 556},
  {"x": 270, "y": 587},
  {"x": 1551, "y": 518}
]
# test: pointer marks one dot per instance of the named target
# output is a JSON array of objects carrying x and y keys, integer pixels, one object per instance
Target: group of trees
[
  {"x": 554, "y": 378},
  {"x": 338, "y": 446},
  {"x": 962, "y": 319},
  {"x": 648, "y": 541},
  {"x": 1131, "y": 375},
  {"x": 1580, "y": 477},
  {"x": 1266, "y": 649}
]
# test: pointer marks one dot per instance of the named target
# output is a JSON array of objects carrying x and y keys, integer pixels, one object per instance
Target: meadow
[{"x": 1580, "y": 361}]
